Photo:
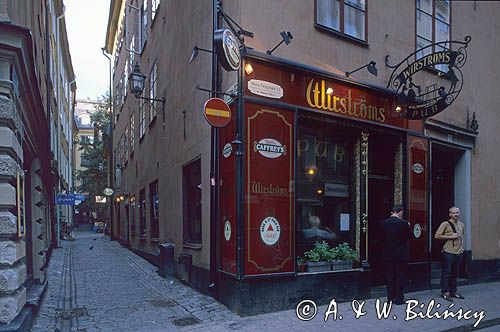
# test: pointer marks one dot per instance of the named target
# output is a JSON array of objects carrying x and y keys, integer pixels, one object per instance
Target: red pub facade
[{"x": 308, "y": 143}]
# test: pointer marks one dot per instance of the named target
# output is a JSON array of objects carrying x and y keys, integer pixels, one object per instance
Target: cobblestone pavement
[{"x": 97, "y": 285}]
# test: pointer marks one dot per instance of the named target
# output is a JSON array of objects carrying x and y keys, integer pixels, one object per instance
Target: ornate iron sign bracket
[{"x": 419, "y": 97}]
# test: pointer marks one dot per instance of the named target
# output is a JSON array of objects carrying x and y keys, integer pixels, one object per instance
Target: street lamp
[{"x": 136, "y": 80}]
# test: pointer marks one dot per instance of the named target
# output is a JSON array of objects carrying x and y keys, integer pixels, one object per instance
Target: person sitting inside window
[{"x": 316, "y": 232}]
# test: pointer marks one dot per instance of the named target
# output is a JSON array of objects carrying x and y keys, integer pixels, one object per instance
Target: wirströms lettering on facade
[
  {"x": 259, "y": 188},
  {"x": 318, "y": 98}
]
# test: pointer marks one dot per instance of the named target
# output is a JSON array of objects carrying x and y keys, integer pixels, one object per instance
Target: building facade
[
  {"x": 309, "y": 136},
  {"x": 37, "y": 93}
]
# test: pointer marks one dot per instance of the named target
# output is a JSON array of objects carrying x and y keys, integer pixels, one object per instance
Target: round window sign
[
  {"x": 228, "y": 49},
  {"x": 227, "y": 230},
  {"x": 270, "y": 231},
  {"x": 417, "y": 168},
  {"x": 417, "y": 230},
  {"x": 269, "y": 148},
  {"x": 226, "y": 151}
]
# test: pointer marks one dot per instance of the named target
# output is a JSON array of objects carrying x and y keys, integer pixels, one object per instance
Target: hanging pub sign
[
  {"x": 420, "y": 98},
  {"x": 227, "y": 48}
]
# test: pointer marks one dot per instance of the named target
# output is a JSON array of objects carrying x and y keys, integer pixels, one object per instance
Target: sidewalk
[{"x": 97, "y": 285}]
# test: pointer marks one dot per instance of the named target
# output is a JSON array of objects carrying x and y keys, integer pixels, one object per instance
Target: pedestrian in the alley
[
  {"x": 396, "y": 252},
  {"x": 453, "y": 231}
]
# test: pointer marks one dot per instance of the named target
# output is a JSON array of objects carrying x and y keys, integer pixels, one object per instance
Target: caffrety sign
[{"x": 345, "y": 104}]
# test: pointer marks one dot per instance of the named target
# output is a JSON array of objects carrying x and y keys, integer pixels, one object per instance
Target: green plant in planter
[
  {"x": 321, "y": 252},
  {"x": 343, "y": 252}
]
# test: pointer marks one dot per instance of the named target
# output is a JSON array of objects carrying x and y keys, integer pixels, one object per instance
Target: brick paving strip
[{"x": 97, "y": 285}]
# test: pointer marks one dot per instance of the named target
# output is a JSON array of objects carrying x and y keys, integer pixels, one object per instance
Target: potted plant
[
  {"x": 318, "y": 258},
  {"x": 343, "y": 257}
]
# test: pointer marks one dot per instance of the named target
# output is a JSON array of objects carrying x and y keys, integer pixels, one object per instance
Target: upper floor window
[
  {"x": 154, "y": 8},
  {"x": 144, "y": 22},
  {"x": 132, "y": 132},
  {"x": 142, "y": 117},
  {"x": 153, "y": 91},
  {"x": 433, "y": 26},
  {"x": 347, "y": 17}
]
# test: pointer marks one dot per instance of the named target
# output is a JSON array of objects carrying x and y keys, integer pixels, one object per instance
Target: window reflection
[{"x": 325, "y": 193}]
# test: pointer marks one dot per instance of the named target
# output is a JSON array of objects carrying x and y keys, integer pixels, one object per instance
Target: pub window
[
  {"x": 325, "y": 186},
  {"x": 154, "y": 210},
  {"x": 346, "y": 17},
  {"x": 433, "y": 26},
  {"x": 142, "y": 213},
  {"x": 153, "y": 89},
  {"x": 191, "y": 183}
]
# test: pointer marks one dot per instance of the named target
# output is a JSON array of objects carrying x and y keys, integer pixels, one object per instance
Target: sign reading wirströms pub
[{"x": 419, "y": 99}]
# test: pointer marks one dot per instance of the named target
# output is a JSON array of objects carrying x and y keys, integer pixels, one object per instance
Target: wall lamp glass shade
[{"x": 136, "y": 81}]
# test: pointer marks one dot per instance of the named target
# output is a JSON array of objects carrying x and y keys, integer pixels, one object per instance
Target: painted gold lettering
[
  {"x": 381, "y": 112},
  {"x": 302, "y": 146},
  {"x": 343, "y": 105},
  {"x": 321, "y": 149}
]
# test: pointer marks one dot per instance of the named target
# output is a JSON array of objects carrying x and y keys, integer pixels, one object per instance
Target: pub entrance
[
  {"x": 381, "y": 166},
  {"x": 443, "y": 177}
]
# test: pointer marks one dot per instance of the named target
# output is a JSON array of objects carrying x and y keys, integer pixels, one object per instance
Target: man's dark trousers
[
  {"x": 395, "y": 276},
  {"x": 451, "y": 265}
]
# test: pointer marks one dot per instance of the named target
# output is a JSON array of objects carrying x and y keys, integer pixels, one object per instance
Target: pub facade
[{"x": 312, "y": 153}]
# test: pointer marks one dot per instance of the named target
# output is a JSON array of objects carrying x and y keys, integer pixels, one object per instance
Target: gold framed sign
[{"x": 21, "y": 216}]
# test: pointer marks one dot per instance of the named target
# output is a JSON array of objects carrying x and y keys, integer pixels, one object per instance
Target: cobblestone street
[{"x": 98, "y": 285}]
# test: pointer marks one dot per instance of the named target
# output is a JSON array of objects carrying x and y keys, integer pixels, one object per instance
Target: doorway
[
  {"x": 444, "y": 162},
  {"x": 381, "y": 156}
]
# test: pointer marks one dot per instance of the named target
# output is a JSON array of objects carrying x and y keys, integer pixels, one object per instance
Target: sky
[{"x": 86, "y": 23}]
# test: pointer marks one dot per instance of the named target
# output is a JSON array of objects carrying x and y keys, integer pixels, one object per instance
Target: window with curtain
[
  {"x": 346, "y": 17},
  {"x": 433, "y": 26}
]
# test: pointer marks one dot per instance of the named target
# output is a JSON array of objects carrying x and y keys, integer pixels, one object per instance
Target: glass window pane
[
  {"x": 443, "y": 68},
  {"x": 443, "y": 10},
  {"x": 360, "y": 4},
  {"x": 354, "y": 21},
  {"x": 328, "y": 13},
  {"x": 425, "y": 5},
  {"x": 422, "y": 43},
  {"x": 424, "y": 25},
  {"x": 442, "y": 32}
]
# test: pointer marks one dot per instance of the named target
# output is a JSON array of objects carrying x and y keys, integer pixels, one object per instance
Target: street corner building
[
  {"x": 36, "y": 103},
  {"x": 337, "y": 111}
]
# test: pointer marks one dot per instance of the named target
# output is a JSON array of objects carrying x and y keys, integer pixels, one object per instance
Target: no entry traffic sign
[{"x": 217, "y": 112}]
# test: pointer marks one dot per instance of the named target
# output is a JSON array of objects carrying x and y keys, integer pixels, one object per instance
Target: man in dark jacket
[{"x": 396, "y": 252}]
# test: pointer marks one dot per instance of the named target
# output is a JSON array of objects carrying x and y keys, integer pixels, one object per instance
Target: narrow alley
[{"x": 98, "y": 285}]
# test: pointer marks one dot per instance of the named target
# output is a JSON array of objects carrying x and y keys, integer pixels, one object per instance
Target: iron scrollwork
[{"x": 417, "y": 99}]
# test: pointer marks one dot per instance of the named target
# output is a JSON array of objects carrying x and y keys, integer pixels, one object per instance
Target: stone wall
[{"x": 12, "y": 248}]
